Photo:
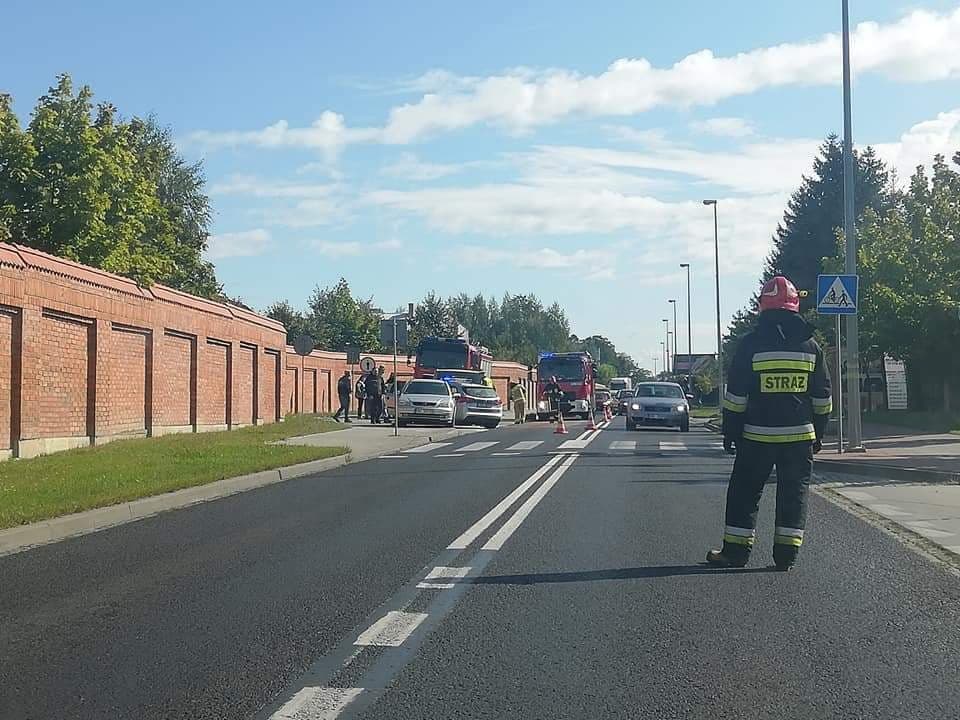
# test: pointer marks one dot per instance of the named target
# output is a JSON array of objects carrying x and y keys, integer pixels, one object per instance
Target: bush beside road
[{"x": 54, "y": 485}]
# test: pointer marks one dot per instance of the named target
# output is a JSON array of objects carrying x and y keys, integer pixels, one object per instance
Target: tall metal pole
[
  {"x": 396, "y": 384},
  {"x": 854, "y": 429},
  {"x": 666, "y": 357},
  {"x": 689, "y": 327},
  {"x": 676, "y": 331},
  {"x": 839, "y": 391},
  {"x": 716, "y": 264}
]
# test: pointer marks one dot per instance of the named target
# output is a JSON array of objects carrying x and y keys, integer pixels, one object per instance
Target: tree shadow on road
[{"x": 634, "y": 573}]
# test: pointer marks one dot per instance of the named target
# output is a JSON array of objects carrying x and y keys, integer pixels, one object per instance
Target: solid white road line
[
  {"x": 393, "y": 457},
  {"x": 391, "y": 630},
  {"x": 429, "y": 447},
  {"x": 474, "y": 447},
  {"x": 623, "y": 445},
  {"x": 504, "y": 454},
  {"x": 526, "y": 445},
  {"x": 317, "y": 703},
  {"x": 507, "y": 529},
  {"x": 435, "y": 578},
  {"x": 448, "y": 455},
  {"x": 475, "y": 530}
]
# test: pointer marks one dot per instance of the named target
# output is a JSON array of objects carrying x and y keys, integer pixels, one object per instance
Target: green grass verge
[
  {"x": 75, "y": 480},
  {"x": 930, "y": 421},
  {"x": 704, "y": 412}
]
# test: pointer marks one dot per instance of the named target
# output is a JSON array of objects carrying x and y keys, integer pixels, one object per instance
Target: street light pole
[
  {"x": 663, "y": 353},
  {"x": 716, "y": 260},
  {"x": 689, "y": 323},
  {"x": 666, "y": 358},
  {"x": 676, "y": 331},
  {"x": 854, "y": 429}
]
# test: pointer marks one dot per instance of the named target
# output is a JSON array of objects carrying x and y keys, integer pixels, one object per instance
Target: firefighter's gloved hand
[
  {"x": 817, "y": 446},
  {"x": 730, "y": 446}
]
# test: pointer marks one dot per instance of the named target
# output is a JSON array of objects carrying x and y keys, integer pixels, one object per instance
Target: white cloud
[
  {"x": 723, "y": 127},
  {"x": 352, "y": 248},
  {"x": 238, "y": 244},
  {"x": 919, "y": 144},
  {"x": 328, "y": 133},
  {"x": 251, "y": 185},
  {"x": 919, "y": 47},
  {"x": 410, "y": 167}
]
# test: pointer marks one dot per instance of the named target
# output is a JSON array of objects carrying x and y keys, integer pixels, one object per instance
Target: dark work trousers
[
  {"x": 344, "y": 408},
  {"x": 360, "y": 402},
  {"x": 755, "y": 460},
  {"x": 374, "y": 409}
]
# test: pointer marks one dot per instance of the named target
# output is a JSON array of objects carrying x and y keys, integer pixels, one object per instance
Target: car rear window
[
  {"x": 480, "y": 392},
  {"x": 426, "y": 387}
]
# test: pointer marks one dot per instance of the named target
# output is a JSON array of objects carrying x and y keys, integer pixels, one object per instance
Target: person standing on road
[
  {"x": 374, "y": 388},
  {"x": 519, "y": 397},
  {"x": 775, "y": 412},
  {"x": 553, "y": 394},
  {"x": 360, "y": 392},
  {"x": 344, "y": 389}
]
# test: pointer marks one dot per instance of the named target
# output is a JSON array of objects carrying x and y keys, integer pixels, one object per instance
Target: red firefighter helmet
[{"x": 778, "y": 293}]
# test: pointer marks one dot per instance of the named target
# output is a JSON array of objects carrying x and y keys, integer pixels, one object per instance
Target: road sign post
[{"x": 837, "y": 295}]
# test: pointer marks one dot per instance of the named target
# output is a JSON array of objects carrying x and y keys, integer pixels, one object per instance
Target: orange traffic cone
[
  {"x": 561, "y": 429},
  {"x": 591, "y": 423}
]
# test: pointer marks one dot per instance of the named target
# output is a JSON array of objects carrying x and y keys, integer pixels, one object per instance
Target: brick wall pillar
[
  {"x": 30, "y": 359},
  {"x": 98, "y": 385}
]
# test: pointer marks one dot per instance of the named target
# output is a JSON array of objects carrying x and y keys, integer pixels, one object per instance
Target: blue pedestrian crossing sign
[{"x": 837, "y": 294}]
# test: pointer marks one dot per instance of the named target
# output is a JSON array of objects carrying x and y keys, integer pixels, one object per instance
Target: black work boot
[
  {"x": 731, "y": 556},
  {"x": 784, "y": 556}
]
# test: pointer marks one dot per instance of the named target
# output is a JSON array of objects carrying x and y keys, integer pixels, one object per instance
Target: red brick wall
[
  {"x": 8, "y": 321},
  {"x": 310, "y": 402},
  {"x": 174, "y": 396},
  {"x": 244, "y": 408},
  {"x": 269, "y": 375},
  {"x": 64, "y": 375},
  {"x": 290, "y": 385},
  {"x": 126, "y": 372},
  {"x": 212, "y": 385}
]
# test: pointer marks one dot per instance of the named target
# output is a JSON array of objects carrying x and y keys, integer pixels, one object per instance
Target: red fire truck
[
  {"x": 450, "y": 353},
  {"x": 576, "y": 376}
]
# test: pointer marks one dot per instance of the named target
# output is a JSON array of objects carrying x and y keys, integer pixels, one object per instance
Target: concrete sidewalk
[{"x": 896, "y": 453}]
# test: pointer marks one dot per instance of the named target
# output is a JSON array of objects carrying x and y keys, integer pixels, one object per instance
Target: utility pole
[
  {"x": 854, "y": 428},
  {"x": 689, "y": 326},
  {"x": 676, "y": 331},
  {"x": 716, "y": 260}
]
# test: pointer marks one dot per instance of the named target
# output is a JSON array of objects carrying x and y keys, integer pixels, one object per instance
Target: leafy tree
[
  {"x": 80, "y": 184},
  {"x": 293, "y": 320},
  {"x": 432, "y": 319},
  {"x": 337, "y": 320},
  {"x": 605, "y": 372}
]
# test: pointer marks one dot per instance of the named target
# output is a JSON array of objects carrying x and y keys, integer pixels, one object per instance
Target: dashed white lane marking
[
  {"x": 429, "y": 447},
  {"x": 507, "y": 529},
  {"x": 477, "y": 446},
  {"x": 670, "y": 446},
  {"x": 436, "y": 577},
  {"x": 887, "y": 510},
  {"x": 526, "y": 445},
  {"x": 317, "y": 703},
  {"x": 857, "y": 495},
  {"x": 448, "y": 455},
  {"x": 393, "y": 457},
  {"x": 474, "y": 531},
  {"x": 504, "y": 454},
  {"x": 391, "y": 630},
  {"x": 623, "y": 445}
]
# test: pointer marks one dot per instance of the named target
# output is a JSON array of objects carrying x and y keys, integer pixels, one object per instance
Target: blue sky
[{"x": 548, "y": 148}]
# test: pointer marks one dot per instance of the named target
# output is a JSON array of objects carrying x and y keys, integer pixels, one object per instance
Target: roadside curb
[
  {"x": 45, "y": 532},
  {"x": 887, "y": 472}
]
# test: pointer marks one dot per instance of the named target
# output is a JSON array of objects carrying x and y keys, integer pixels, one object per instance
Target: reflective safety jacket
[{"x": 779, "y": 385}]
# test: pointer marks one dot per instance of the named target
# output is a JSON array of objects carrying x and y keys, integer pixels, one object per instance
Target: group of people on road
[{"x": 369, "y": 391}]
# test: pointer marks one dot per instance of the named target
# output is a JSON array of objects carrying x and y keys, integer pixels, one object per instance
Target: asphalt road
[{"x": 582, "y": 596}]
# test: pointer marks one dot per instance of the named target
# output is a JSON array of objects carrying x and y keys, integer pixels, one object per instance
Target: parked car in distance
[
  {"x": 477, "y": 405},
  {"x": 658, "y": 403},
  {"x": 426, "y": 401},
  {"x": 623, "y": 397}
]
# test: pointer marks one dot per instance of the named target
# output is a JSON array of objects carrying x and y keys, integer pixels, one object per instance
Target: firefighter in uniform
[{"x": 775, "y": 412}]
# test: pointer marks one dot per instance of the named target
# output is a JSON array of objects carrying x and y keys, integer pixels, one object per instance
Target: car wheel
[
  {"x": 491, "y": 425},
  {"x": 685, "y": 425}
]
